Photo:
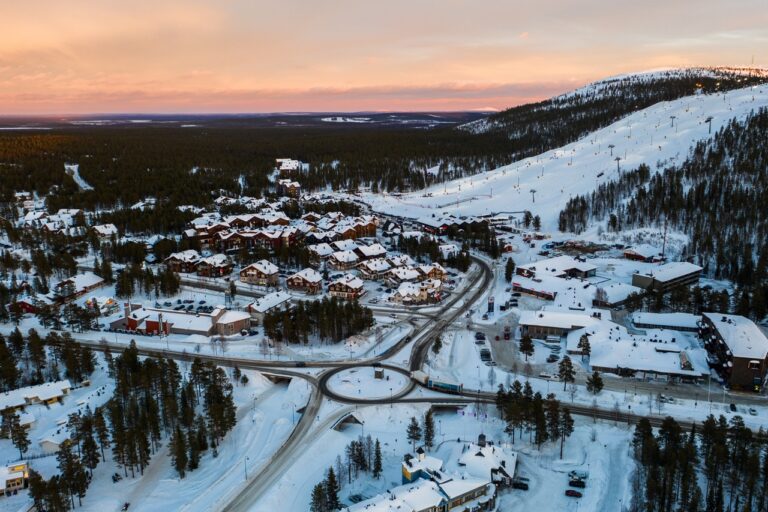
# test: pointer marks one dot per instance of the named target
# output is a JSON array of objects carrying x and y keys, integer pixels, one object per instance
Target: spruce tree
[
  {"x": 377, "y": 469},
  {"x": 566, "y": 372},
  {"x": 179, "y": 452},
  {"x": 566, "y": 427},
  {"x": 594, "y": 383},
  {"x": 429, "y": 430},
  {"x": 19, "y": 435},
  {"x": 414, "y": 432},
  {"x": 332, "y": 491},
  {"x": 526, "y": 346},
  {"x": 319, "y": 501}
]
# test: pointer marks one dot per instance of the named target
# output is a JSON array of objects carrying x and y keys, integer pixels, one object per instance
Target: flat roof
[{"x": 743, "y": 337}]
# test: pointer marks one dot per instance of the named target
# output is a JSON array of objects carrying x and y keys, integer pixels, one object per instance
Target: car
[
  {"x": 201, "y": 302},
  {"x": 301, "y": 364},
  {"x": 578, "y": 475},
  {"x": 572, "y": 493},
  {"x": 479, "y": 336},
  {"x": 732, "y": 407},
  {"x": 379, "y": 289},
  {"x": 545, "y": 375},
  {"x": 125, "y": 506},
  {"x": 498, "y": 337},
  {"x": 577, "y": 483},
  {"x": 167, "y": 304},
  {"x": 490, "y": 363},
  {"x": 516, "y": 484},
  {"x": 479, "y": 342},
  {"x": 516, "y": 294},
  {"x": 752, "y": 411},
  {"x": 485, "y": 316},
  {"x": 552, "y": 358}
]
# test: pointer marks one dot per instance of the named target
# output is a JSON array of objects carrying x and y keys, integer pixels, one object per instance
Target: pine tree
[
  {"x": 90, "y": 451},
  {"x": 565, "y": 371},
  {"x": 526, "y": 346},
  {"x": 414, "y": 432},
  {"x": 584, "y": 346},
  {"x": 594, "y": 383},
  {"x": 319, "y": 501},
  {"x": 429, "y": 430},
  {"x": 332, "y": 491},
  {"x": 509, "y": 270},
  {"x": 179, "y": 452},
  {"x": 19, "y": 435},
  {"x": 377, "y": 469}
]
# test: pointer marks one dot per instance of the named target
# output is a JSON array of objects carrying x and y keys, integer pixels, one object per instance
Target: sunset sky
[{"x": 325, "y": 55}]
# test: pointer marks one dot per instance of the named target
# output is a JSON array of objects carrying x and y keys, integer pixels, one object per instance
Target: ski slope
[{"x": 659, "y": 136}]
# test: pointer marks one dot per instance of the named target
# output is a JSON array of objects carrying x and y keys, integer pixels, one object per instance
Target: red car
[{"x": 572, "y": 493}]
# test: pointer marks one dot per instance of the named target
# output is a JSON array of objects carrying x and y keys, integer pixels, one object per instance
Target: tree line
[{"x": 330, "y": 320}]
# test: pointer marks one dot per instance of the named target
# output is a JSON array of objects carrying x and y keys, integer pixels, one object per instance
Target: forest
[
  {"x": 125, "y": 164},
  {"x": 330, "y": 320}
]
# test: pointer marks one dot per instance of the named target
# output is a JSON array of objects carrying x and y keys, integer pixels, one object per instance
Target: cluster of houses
[
  {"x": 64, "y": 291},
  {"x": 470, "y": 485}
]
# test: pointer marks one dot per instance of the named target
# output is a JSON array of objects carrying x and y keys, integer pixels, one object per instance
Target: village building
[
  {"x": 319, "y": 253},
  {"x": 543, "y": 324},
  {"x": 417, "y": 293},
  {"x": 104, "y": 232},
  {"x": 343, "y": 260},
  {"x": 347, "y": 287},
  {"x": 400, "y": 275},
  {"x": 307, "y": 280},
  {"x": 374, "y": 269},
  {"x": 367, "y": 252},
  {"x": 613, "y": 295},
  {"x": 684, "y": 322},
  {"x": 217, "y": 265},
  {"x": 76, "y": 286},
  {"x": 156, "y": 321},
  {"x": 14, "y": 477},
  {"x": 261, "y": 273},
  {"x": 270, "y": 303},
  {"x": 433, "y": 271},
  {"x": 737, "y": 348},
  {"x": 668, "y": 276},
  {"x": 184, "y": 262},
  {"x": 288, "y": 187},
  {"x": 559, "y": 266},
  {"x": 45, "y": 394},
  {"x": 643, "y": 252}
]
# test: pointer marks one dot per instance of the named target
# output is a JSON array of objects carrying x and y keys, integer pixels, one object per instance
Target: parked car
[
  {"x": 552, "y": 358},
  {"x": 572, "y": 493},
  {"x": 479, "y": 336},
  {"x": 752, "y": 411},
  {"x": 516, "y": 484},
  {"x": 732, "y": 407},
  {"x": 516, "y": 294},
  {"x": 577, "y": 483}
]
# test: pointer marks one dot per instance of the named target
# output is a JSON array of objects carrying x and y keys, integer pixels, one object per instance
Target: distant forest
[{"x": 126, "y": 163}]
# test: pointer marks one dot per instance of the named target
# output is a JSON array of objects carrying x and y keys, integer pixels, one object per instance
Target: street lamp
[
  {"x": 245, "y": 466},
  {"x": 390, "y": 398}
]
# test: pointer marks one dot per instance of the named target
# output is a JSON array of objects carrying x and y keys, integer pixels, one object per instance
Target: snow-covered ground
[
  {"x": 361, "y": 383},
  {"x": 649, "y": 136},
  {"x": 74, "y": 171}
]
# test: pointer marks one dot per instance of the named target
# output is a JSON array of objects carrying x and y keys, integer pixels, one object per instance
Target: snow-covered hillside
[{"x": 659, "y": 136}]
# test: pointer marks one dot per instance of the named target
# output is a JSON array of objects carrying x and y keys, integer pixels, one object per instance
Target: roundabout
[{"x": 360, "y": 384}]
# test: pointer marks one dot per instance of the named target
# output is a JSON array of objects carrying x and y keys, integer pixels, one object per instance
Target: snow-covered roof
[
  {"x": 405, "y": 274},
  {"x": 673, "y": 270},
  {"x": 309, "y": 274},
  {"x": 217, "y": 260},
  {"x": 270, "y": 301},
  {"x": 105, "y": 229},
  {"x": 373, "y": 250},
  {"x": 401, "y": 260},
  {"x": 644, "y": 250},
  {"x": 376, "y": 265},
  {"x": 345, "y": 256},
  {"x": 345, "y": 245},
  {"x": 22, "y": 396},
  {"x": 743, "y": 337},
  {"x": 558, "y": 319},
  {"x": 82, "y": 281},
  {"x": 478, "y": 461},
  {"x": 263, "y": 266},
  {"x": 557, "y": 266},
  {"x": 612, "y": 346},
  {"x": 668, "y": 320},
  {"x": 350, "y": 281},
  {"x": 188, "y": 256},
  {"x": 321, "y": 249},
  {"x": 460, "y": 486},
  {"x": 617, "y": 292},
  {"x": 233, "y": 316}
]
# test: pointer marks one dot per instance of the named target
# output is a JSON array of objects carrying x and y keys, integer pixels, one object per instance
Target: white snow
[{"x": 74, "y": 171}]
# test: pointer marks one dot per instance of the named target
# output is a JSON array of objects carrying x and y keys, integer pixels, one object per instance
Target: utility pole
[{"x": 708, "y": 120}]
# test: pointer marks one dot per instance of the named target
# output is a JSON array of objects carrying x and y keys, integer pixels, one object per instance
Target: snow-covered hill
[{"x": 659, "y": 135}]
